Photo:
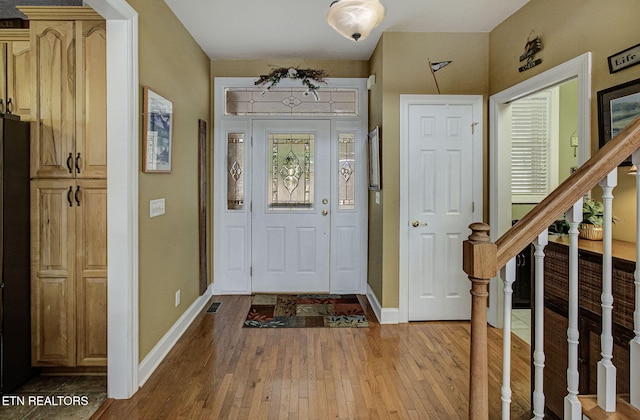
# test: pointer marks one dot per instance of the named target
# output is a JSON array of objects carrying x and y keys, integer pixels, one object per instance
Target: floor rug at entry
[{"x": 305, "y": 311}]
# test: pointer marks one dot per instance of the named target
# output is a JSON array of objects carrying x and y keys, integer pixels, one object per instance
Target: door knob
[
  {"x": 325, "y": 212},
  {"x": 416, "y": 223}
]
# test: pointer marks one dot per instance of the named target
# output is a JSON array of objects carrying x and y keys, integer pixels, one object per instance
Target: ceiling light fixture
[{"x": 354, "y": 19}]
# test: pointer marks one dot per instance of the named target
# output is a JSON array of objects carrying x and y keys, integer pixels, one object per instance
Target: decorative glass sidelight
[
  {"x": 291, "y": 174},
  {"x": 235, "y": 171},
  {"x": 346, "y": 171}
]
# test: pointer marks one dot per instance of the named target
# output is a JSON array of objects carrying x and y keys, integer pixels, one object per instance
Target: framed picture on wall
[
  {"x": 617, "y": 107},
  {"x": 157, "y": 132},
  {"x": 375, "y": 180}
]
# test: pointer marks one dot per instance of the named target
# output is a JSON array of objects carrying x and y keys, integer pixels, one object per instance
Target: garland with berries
[{"x": 306, "y": 76}]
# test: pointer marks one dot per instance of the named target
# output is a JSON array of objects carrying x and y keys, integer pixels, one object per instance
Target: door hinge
[
  {"x": 250, "y": 206},
  {"x": 473, "y": 207},
  {"x": 250, "y": 271},
  {"x": 473, "y": 127}
]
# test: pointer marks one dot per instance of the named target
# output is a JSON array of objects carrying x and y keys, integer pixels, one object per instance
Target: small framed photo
[
  {"x": 375, "y": 160},
  {"x": 618, "y": 106},
  {"x": 157, "y": 132}
]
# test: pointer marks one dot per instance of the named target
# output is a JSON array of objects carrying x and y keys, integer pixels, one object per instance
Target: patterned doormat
[{"x": 305, "y": 311}]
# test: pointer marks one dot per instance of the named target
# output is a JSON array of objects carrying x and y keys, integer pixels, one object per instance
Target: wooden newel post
[{"x": 479, "y": 262}]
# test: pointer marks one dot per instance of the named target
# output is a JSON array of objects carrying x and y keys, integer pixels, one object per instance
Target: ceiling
[{"x": 258, "y": 29}]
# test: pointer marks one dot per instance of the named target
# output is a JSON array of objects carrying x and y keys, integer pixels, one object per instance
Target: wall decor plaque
[
  {"x": 623, "y": 59},
  {"x": 531, "y": 48}
]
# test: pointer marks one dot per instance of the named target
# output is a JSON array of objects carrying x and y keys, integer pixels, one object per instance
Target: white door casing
[
  {"x": 500, "y": 150},
  {"x": 232, "y": 229},
  {"x": 291, "y": 217},
  {"x": 441, "y": 194}
]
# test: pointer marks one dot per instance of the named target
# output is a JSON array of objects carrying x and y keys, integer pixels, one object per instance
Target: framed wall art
[
  {"x": 375, "y": 179},
  {"x": 157, "y": 132},
  {"x": 617, "y": 107}
]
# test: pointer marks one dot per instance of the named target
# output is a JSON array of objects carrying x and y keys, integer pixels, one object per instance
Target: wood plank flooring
[{"x": 419, "y": 370}]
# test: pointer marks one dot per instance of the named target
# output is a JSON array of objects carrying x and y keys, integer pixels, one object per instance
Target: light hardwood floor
[{"x": 419, "y": 370}]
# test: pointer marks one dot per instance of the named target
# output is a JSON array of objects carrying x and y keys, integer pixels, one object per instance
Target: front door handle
[
  {"x": 416, "y": 224},
  {"x": 325, "y": 212}
]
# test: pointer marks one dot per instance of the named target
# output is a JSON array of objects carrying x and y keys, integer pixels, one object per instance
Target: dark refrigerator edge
[{"x": 15, "y": 333}]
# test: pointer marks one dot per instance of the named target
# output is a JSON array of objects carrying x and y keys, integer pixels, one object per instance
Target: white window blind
[{"x": 534, "y": 147}]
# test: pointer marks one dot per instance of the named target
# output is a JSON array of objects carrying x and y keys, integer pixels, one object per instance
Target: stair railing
[{"x": 482, "y": 260}]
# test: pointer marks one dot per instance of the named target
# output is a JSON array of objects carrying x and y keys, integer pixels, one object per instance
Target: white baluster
[
  {"x": 634, "y": 345},
  {"x": 509, "y": 275},
  {"x": 606, "y": 369},
  {"x": 572, "y": 407},
  {"x": 538, "y": 354}
]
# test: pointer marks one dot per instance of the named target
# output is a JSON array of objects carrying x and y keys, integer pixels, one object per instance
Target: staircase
[{"x": 483, "y": 260}]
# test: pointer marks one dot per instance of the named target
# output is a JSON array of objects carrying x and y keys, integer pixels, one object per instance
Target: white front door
[
  {"x": 291, "y": 218},
  {"x": 440, "y": 208}
]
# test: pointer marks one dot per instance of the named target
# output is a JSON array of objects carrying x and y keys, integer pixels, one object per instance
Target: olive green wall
[
  {"x": 375, "y": 252},
  {"x": 172, "y": 64},
  {"x": 568, "y": 29},
  {"x": 568, "y": 127},
  {"x": 401, "y": 63}
]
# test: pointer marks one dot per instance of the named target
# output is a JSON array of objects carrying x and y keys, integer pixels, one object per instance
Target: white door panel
[
  {"x": 440, "y": 209},
  {"x": 290, "y": 220}
]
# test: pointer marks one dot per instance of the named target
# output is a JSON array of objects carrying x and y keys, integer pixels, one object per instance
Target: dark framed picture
[
  {"x": 617, "y": 107},
  {"x": 375, "y": 181},
  {"x": 157, "y": 132}
]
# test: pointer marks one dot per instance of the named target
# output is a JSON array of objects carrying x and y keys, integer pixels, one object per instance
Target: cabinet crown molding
[
  {"x": 15, "y": 34},
  {"x": 60, "y": 13}
]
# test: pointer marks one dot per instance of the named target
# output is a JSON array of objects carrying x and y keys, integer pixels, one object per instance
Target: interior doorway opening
[{"x": 500, "y": 144}]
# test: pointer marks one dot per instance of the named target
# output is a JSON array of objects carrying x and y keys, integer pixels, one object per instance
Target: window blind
[{"x": 532, "y": 148}]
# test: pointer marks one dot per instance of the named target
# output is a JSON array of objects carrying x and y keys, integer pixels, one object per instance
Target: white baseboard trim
[
  {"x": 384, "y": 315},
  {"x": 160, "y": 351}
]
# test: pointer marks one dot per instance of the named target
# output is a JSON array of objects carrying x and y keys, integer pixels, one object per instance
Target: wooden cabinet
[
  {"x": 556, "y": 275},
  {"x": 521, "y": 298},
  {"x": 15, "y": 73},
  {"x": 68, "y": 191},
  {"x": 69, "y": 91},
  {"x": 69, "y": 272}
]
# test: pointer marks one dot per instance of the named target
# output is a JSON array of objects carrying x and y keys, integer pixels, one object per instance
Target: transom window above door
[{"x": 291, "y": 101}]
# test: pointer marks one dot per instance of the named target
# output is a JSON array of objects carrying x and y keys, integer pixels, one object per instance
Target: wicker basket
[{"x": 591, "y": 232}]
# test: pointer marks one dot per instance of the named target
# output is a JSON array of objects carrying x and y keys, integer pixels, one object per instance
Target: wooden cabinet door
[
  {"x": 19, "y": 78},
  {"x": 53, "y": 308},
  {"x": 90, "y": 203},
  {"x": 91, "y": 100},
  {"x": 53, "y": 95},
  {"x": 3, "y": 75}
]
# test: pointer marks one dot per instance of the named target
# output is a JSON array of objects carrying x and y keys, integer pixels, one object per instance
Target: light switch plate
[{"x": 156, "y": 207}]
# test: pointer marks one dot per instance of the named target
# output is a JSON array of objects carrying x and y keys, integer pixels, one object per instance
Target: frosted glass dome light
[{"x": 354, "y": 19}]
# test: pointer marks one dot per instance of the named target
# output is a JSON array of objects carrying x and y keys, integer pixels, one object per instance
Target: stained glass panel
[
  {"x": 235, "y": 171},
  {"x": 346, "y": 171},
  {"x": 291, "y": 101},
  {"x": 291, "y": 171}
]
